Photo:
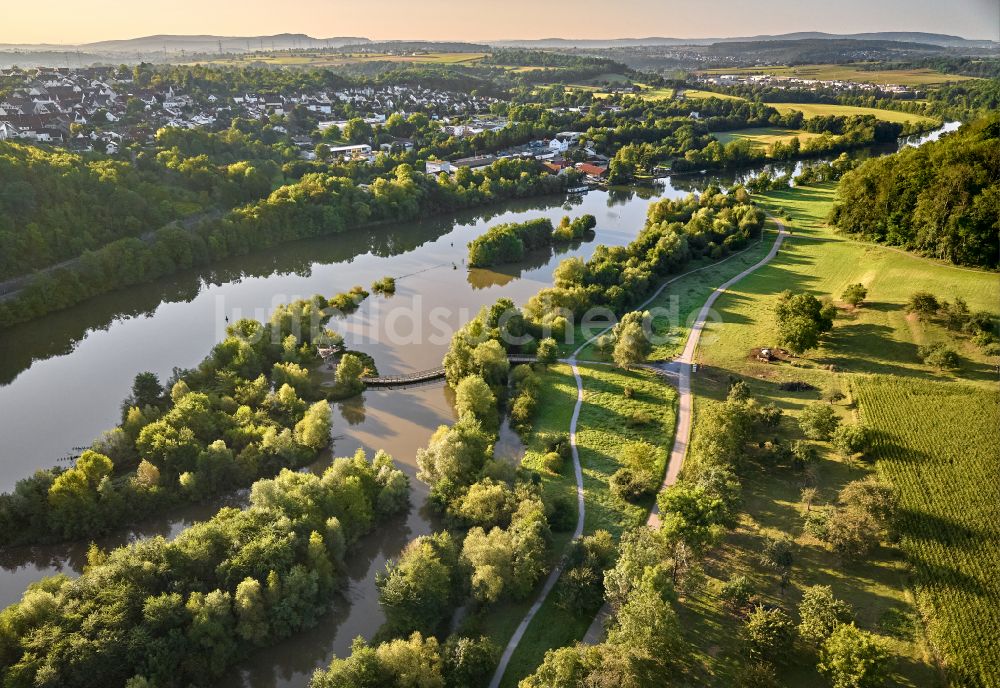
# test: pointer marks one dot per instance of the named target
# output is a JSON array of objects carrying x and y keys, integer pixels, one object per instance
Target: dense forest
[{"x": 941, "y": 199}]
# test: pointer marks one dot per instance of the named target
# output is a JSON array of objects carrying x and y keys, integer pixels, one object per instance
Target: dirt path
[{"x": 682, "y": 369}]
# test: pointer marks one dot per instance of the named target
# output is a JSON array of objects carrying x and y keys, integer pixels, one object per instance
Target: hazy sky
[{"x": 73, "y": 21}]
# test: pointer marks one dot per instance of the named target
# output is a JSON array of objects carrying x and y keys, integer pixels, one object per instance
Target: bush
[
  {"x": 385, "y": 286},
  {"x": 852, "y": 658},
  {"x": 850, "y": 440},
  {"x": 770, "y": 634},
  {"x": 553, "y": 462},
  {"x": 854, "y": 294},
  {"x": 818, "y": 421},
  {"x": 939, "y": 356},
  {"x": 737, "y": 593},
  {"x": 923, "y": 303}
]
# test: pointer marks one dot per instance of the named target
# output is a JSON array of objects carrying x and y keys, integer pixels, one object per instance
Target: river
[{"x": 62, "y": 377}]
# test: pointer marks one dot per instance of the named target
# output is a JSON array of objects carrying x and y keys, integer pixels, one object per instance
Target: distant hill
[
  {"x": 195, "y": 44},
  {"x": 937, "y": 39}
]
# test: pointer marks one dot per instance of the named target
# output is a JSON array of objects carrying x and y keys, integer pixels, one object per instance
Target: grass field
[
  {"x": 869, "y": 356},
  {"x": 608, "y": 420},
  {"x": 762, "y": 137},
  {"x": 850, "y": 72},
  {"x": 822, "y": 109},
  {"x": 943, "y": 459},
  {"x": 697, "y": 94}
]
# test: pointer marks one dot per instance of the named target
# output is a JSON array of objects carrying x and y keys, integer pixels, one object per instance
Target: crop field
[
  {"x": 850, "y": 72},
  {"x": 762, "y": 137},
  {"x": 822, "y": 109},
  {"x": 942, "y": 457}
]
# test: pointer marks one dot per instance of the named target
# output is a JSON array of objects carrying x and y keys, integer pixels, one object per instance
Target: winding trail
[{"x": 681, "y": 368}]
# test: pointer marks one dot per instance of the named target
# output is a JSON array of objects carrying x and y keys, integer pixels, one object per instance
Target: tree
[
  {"x": 818, "y": 421},
  {"x": 802, "y": 320},
  {"x": 923, "y": 304},
  {"x": 631, "y": 343},
  {"x": 548, "y": 351},
  {"x": 770, "y": 633},
  {"x": 313, "y": 430},
  {"x": 854, "y": 294},
  {"x": 820, "y": 613},
  {"x": 469, "y": 661},
  {"x": 416, "y": 591},
  {"x": 358, "y": 131},
  {"x": 737, "y": 593},
  {"x": 850, "y": 440},
  {"x": 474, "y": 397},
  {"x": 852, "y": 658},
  {"x": 146, "y": 390},
  {"x": 939, "y": 356},
  {"x": 691, "y": 514},
  {"x": 349, "y": 372}
]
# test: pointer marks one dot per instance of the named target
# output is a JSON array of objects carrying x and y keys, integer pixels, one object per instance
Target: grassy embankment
[
  {"x": 850, "y": 72},
  {"x": 931, "y": 596},
  {"x": 608, "y": 420}
]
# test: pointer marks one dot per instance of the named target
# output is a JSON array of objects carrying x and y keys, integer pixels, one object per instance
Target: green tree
[
  {"x": 802, "y": 320},
  {"x": 854, "y": 294},
  {"x": 820, "y": 613},
  {"x": 474, "y": 397},
  {"x": 349, "y": 372},
  {"x": 770, "y": 634},
  {"x": 631, "y": 343},
  {"x": 416, "y": 591},
  {"x": 852, "y": 658},
  {"x": 851, "y": 440},
  {"x": 818, "y": 421}
]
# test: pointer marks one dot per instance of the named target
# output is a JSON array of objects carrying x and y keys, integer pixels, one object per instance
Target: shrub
[
  {"x": 923, "y": 303},
  {"x": 737, "y": 593},
  {"x": 939, "y": 356},
  {"x": 851, "y": 439},
  {"x": 818, "y": 421},
  {"x": 854, "y": 294},
  {"x": 385, "y": 286},
  {"x": 770, "y": 634}
]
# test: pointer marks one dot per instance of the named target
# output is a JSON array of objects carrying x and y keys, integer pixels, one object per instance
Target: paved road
[{"x": 675, "y": 369}]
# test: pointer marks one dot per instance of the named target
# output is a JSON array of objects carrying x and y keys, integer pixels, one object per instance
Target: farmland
[
  {"x": 762, "y": 137},
  {"x": 850, "y": 72},
  {"x": 929, "y": 597},
  {"x": 697, "y": 94},
  {"x": 823, "y": 109},
  {"x": 943, "y": 460}
]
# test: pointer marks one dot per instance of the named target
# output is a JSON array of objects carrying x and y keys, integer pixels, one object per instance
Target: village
[{"x": 103, "y": 109}]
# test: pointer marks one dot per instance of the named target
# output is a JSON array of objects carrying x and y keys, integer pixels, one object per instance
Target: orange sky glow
[{"x": 63, "y": 21}]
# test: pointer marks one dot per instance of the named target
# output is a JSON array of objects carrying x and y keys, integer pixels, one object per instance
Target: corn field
[{"x": 939, "y": 444}]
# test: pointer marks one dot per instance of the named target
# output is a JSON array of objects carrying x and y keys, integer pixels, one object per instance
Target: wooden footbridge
[{"x": 422, "y": 376}]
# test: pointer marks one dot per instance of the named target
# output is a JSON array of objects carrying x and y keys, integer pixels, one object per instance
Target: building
[{"x": 439, "y": 166}]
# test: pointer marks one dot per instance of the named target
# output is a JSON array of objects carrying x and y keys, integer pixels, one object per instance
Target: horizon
[{"x": 443, "y": 20}]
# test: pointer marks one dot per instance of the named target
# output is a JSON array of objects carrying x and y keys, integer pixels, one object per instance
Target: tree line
[
  {"x": 316, "y": 205},
  {"x": 507, "y": 243},
  {"x": 941, "y": 199}
]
